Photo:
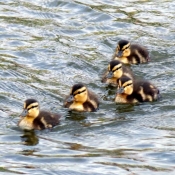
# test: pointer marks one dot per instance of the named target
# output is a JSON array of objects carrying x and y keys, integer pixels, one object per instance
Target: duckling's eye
[
  {"x": 127, "y": 85},
  {"x": 32, "y": 107},
  {"x": 80, "y": 92},
  {"x": 126, "y": 47},
  {"x": 117, "y": 69}
]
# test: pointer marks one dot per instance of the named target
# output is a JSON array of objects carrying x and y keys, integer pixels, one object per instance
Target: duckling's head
[
  {"x": 125, "y": 85},
  {"x": 115, "y": 69},
  {"x": 31, "y": 108},
  {"x": 123, "y": 49},
  {"x": 78, "y": 93}
]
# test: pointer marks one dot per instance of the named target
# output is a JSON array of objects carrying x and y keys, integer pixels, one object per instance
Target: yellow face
[
  {"x": 117, "y": 71},
  {"x": 124, "y": 51},
  {"x": 80, "y": 95},
  {"x": 126, "y": 87},
  {"x": 31, "y": 110}
]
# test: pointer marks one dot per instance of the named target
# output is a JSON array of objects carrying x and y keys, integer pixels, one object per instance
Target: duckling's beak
[
  {"x": 70, "y": 99},
  {"x": 110, "y": 75},
  {"x": 120, "y": 90},
  {"x": 24, "y": 113},
  {"x": 120, "y": 53}
]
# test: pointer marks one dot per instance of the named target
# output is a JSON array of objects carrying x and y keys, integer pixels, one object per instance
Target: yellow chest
[
  {"x": 120, "y": 99},
  {"x": 77, "y": 106},
  {"x": 26, "y": 123},
  {"x": 122, "y": 59}
]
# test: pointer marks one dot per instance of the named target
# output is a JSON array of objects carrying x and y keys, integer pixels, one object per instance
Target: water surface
[{"x": 46, "y": 47}]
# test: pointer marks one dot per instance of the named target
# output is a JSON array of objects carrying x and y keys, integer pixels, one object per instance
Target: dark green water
[{"x": 45, "y": 47}]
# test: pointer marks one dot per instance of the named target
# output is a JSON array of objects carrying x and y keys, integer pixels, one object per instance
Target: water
[{"x": 46, "y": 47}]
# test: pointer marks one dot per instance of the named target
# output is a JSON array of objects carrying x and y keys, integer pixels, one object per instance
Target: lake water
[{"x": 48, "y": 45}]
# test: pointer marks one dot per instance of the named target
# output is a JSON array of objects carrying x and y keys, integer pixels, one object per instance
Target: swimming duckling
[
  {"x": 130, "y": 91},
  {"x": 33, "y": 118},
  {"x": 115, "y": 71},
  {"x": 81, "y": 99},
  {"x": 131, "y": 53}
]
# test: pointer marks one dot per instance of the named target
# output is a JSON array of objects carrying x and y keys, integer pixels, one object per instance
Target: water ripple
[{"x": 47, "y": 46}]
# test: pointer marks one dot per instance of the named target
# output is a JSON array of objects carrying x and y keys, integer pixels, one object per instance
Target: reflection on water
[
  {"x": 46, "y": 47},
  {"x": 125, "y": 108},
  {"x": 29, "y": 138},
  {"x": 76, "y": 116}
]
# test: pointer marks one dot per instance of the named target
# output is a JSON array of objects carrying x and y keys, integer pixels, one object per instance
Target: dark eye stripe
[
  {"x": 116, "y": 69},
  {"x": 32, "y": 107},
  {"x": 127, "y": 85},
  {"x": 126, "y": 48},
  {"x": 79, "y": 92}
]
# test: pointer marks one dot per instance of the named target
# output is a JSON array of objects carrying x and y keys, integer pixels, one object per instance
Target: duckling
[
  {"x": 81, "y": 99},
  {"x": 131, "y": 53},
  {"x": 130, "y": 91},
  {"x": 34, "y": 118},
  {"x": 115, "y": 71}
]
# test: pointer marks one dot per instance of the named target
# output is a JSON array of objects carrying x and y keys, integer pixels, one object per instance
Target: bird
[
  {"x": 115, "y": 71},
  {"x": 135, "y": 91},
  {"x": 131, "y": 53},
  {"x": 81, "y": 99},
  {"x": 33, "y": 118}
]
